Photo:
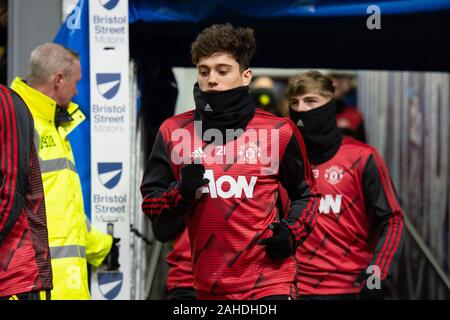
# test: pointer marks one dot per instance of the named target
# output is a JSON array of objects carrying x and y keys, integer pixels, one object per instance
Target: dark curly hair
[{"x": 238, "y": 42}]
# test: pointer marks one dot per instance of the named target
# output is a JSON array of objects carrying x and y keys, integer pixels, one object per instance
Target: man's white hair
[{"x": 48, "y": 59}]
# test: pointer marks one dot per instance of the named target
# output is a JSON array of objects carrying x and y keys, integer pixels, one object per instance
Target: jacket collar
[{"x": 43, "y": 107}]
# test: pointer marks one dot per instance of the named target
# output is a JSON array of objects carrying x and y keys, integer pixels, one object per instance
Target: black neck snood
[
  {"x": 319, "y": 131},
  {"x": 230, "y": 109}
]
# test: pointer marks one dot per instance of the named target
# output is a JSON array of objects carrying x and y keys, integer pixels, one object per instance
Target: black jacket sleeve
[
  {"x": 381, "y": 201},
  {"x": 168, "y": 230},
  {"x": 16, "y": 143},
  {"x": 162, "y": 201},
  {"x": 296, "y": 177}
]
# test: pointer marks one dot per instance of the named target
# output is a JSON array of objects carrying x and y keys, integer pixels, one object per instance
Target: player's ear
[{"x": 247, "y": 76}]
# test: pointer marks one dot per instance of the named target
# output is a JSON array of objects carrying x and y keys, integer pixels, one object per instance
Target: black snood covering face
[
  {"x": 319, "y": 131},
  {"x": 229, "y": 109}
]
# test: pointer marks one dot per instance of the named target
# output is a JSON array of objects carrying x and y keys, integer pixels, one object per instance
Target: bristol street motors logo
[
  {"x": 110, "y": 284},
  {"x": 249, "y": 153},
  {"x": 334, "y": 174},
  {"x": 109, "y": 173},
  {"x": 108, "y": 84},
  {"x": 109, "y": 4}
]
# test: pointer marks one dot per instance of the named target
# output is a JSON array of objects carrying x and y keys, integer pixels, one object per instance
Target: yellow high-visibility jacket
[{"x": 73, "y": 242}]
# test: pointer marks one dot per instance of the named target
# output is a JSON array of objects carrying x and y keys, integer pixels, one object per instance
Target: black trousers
[
  {"x": 276, "y": 297},
  {"x": 331, "y": 297},
  {"x": 34, "y": 295},
  {"x": 181, "y": 294}
]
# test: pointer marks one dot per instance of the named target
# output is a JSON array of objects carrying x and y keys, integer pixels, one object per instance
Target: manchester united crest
[
  {"x": 334, "y": 174},
  {"x": 249, "y": 153}
]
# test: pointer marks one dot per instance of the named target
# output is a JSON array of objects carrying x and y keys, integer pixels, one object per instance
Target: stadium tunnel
[{"x": 402, "y": 71}]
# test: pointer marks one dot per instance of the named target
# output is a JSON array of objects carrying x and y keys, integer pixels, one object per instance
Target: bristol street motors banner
[{"x": 110, "y": 145}]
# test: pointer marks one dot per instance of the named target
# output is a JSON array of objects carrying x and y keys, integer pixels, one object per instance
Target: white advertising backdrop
[{"x": 110, "y": 138}]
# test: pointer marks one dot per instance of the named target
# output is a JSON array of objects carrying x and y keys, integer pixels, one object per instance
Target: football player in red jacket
[
  {"x": 218, "y": 167},
  {"x": 25, "y": 269},
  {"x": 358, "y": 236}
]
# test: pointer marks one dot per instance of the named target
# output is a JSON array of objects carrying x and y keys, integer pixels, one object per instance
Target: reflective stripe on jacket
[{"x": 72, "y": 242}]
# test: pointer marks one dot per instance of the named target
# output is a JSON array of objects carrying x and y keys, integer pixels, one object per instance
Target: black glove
[
  {"x": 374, "y": 290},
  {"x": 281, "y": 244},
  {"x": 112, "y": 259},
  {"x": 192, "y": 179}
]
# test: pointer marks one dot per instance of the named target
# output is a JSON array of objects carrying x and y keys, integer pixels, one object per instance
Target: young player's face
[
  {"x": 221, "y": 72},
  {"x": 307, "y": 102}
]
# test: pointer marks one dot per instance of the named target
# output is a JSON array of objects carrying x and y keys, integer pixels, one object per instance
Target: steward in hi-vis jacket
[{"x": 73, "y": 242}]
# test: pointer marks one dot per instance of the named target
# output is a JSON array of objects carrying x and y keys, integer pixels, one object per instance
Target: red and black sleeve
[
  {"x": 297, "y": 178},
  {"x": 162, "y": 201},
  {"x": 381, "y": 199},
  {"x": 16, "y": 134}
]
